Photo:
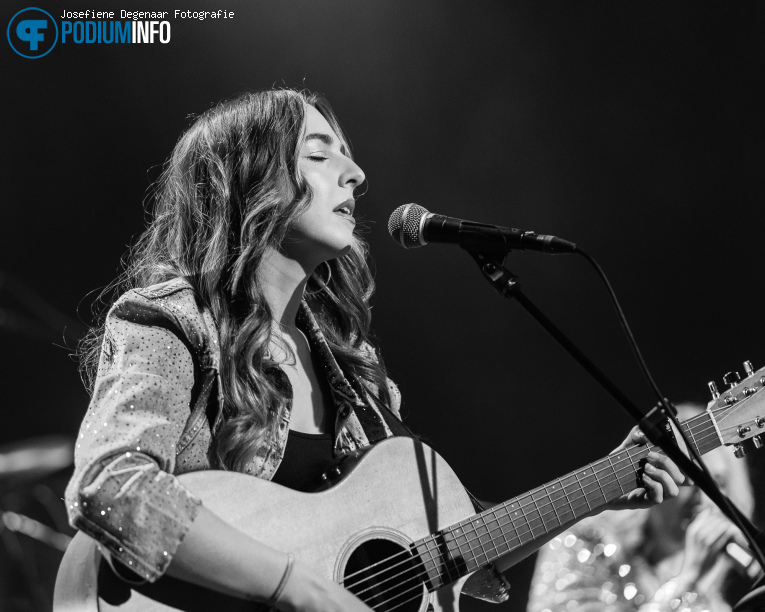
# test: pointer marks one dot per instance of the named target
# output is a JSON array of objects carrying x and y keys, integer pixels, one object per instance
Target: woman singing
[{"x": 242, "y": 343}]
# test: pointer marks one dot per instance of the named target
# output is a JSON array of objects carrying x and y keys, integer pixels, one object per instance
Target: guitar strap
[
  {"x": 395, "y": 424},
  {"x": 370, "y": 418},
  {"x": 371, "y": 422}
]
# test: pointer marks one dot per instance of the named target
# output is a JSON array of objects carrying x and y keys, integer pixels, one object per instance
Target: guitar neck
[{"x": 475, "y": 542}]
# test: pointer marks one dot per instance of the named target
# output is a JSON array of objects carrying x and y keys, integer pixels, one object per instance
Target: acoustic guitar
[{"x": 395, "y": 527}]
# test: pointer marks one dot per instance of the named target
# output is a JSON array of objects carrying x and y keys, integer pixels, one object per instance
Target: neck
[{"x": 283, "y": 280}]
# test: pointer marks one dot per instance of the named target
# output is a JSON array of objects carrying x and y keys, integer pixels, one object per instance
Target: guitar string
[
  {"x": 417, "y": 578},
  {"x": 406, "y": 569},
  {"x": 407, "y": 558},
  {"x": 690, "y": 427},
  {"x": 416, "y": 587},
  {"x": 469, "y": 541},
  {"x": 419, "y": 583},
  {"x": 542, "y": 511},
  {"x": 542, "y": 517},
  {"x": 440, "y": 573}
]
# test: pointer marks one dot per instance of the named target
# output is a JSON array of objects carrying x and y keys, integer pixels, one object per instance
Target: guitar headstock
[{"x": 739, "y": 412}]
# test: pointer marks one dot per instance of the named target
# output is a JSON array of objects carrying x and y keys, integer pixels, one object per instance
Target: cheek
[
  {"x": 307, "y": 222},
  {"x": 310, "y": 176}
]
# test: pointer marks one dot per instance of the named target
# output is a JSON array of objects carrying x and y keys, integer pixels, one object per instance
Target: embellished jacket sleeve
[{"x": 122, "y": 492}]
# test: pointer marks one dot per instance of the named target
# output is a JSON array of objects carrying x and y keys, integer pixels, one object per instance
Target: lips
[{"x": 346, "y": 208}]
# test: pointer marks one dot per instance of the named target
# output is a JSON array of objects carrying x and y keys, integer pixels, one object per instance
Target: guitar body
[
  {"x": 358, "y": 533},
  {"x": 395, "y": 493}
]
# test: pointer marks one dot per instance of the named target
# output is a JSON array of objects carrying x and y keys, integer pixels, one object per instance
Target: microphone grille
[{"x": 404, "y": 225}]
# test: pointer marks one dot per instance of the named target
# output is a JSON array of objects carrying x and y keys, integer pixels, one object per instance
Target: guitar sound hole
[{"x": 382, "y": 574}]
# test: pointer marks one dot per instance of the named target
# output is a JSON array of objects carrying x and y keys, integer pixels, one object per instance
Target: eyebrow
[{"x": 326, "y": 139}]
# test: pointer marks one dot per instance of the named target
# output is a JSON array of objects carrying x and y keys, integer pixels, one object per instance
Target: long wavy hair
[{"x": 230, "y": 190}]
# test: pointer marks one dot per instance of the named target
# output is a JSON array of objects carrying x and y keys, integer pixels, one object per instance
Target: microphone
[{"x": 413, "y": 226}]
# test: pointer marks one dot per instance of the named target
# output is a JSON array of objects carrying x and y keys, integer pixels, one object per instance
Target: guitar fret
[
  {"x": 584, "y": 493},
  {"x": 500, "y": 545},
  {"x": 435, "y": 573},
  {"x": 500, "y": 526},
  {"x": 619, "y": 477},
  {"x": 635, "y": 466},
  {"x": 530, "y": 523},
  {"x": 456, "y": 550},
  {"x": 535, "y": 520},
  {"x": 689, "y": 435},
  {"x": 520, "y": 514},
  {"x": 557, "y": 498},
  {"x": 616, "y": 475},
  {"x": 437, "y": 579},
  {"x": 470, "y": 538},
  {"x": 489, "y": 535},
  {"x": 538, "y": 510},
  {"x": 508, "y": 507},
  {"x": 592, "y": 492},
  {"x": 568, "y": 500},
  {"x": 711, "y": 439},
  {"x": 629, "y": 478},
  {"x": 460, "y": 536},
  {"x": 600, "y": 486},
  {"x": 551, "y": 516},
  {"x": 481, "y": 532},
  {"x": 573, "y": 490}
]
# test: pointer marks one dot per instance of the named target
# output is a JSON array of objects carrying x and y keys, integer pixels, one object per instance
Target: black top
[{"x": 306, "y": 458}]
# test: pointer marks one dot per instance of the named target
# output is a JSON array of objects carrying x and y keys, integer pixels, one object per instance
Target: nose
[{"x": 351, "y": 174}]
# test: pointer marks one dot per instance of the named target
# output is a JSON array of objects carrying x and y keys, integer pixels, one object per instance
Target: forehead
[
  {"x": 317, "y": 127},
  {"x": 315, "y": 122}
]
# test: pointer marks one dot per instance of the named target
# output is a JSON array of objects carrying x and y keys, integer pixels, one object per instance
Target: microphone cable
[{"x": 733, "y": 512}]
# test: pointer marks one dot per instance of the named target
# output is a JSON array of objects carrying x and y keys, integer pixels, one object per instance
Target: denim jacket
[{"x": 156, "y": 399}]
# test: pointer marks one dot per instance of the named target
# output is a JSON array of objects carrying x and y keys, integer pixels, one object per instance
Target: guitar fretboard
[{"x": 475, "y": 542}]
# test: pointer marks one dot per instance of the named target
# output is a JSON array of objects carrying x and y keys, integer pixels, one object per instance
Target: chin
[{"x": 340, "y": 246}]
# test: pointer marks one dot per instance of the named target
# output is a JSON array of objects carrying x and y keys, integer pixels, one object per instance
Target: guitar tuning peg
[
  {"x": 713, "y": 389},
  {"x": 732, "y": 379},
  {"x": 758, "y": 442},
  {"x": 739, "y": 451},
  {"x": 748, "y": 369}
]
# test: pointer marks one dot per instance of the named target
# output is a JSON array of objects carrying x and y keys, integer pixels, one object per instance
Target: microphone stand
[{"x": 655, "y": 424}]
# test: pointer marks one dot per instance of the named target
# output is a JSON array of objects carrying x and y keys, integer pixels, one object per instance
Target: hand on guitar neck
[
  {"x": 660, "y": 479},
  {"x": 398, "y": 530},
  {"x": 218, "y": 556}
]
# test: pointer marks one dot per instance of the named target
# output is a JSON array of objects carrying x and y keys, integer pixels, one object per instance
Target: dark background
[{"x": 633, "y": 129}]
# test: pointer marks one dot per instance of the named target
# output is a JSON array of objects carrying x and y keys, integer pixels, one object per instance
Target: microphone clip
[{"x": 493, "y": 268}]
